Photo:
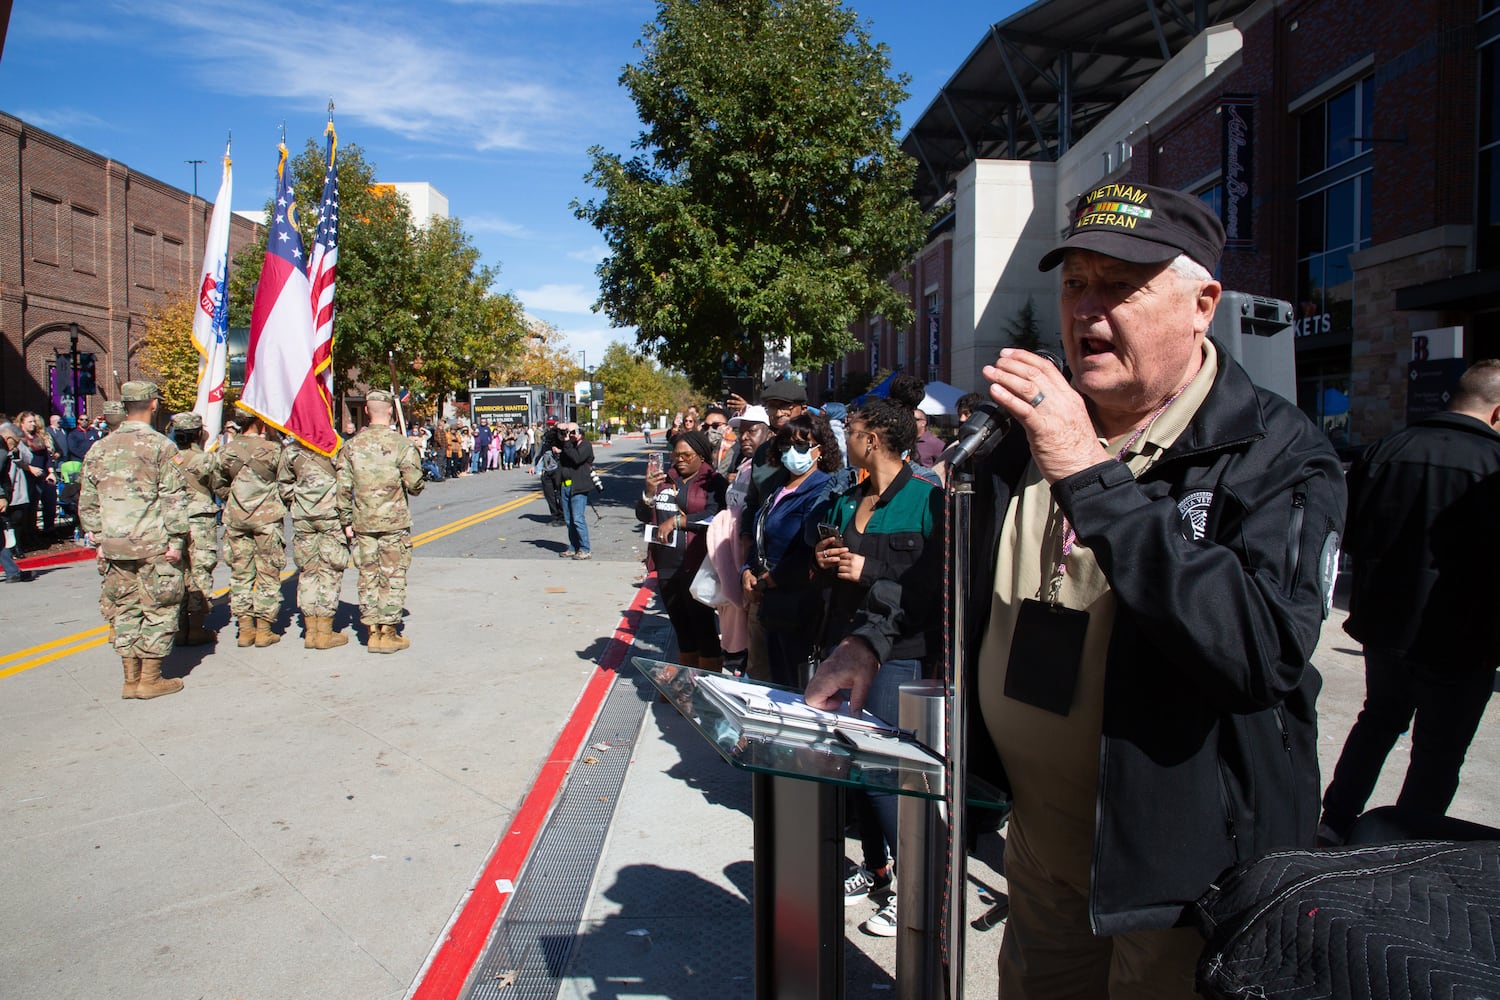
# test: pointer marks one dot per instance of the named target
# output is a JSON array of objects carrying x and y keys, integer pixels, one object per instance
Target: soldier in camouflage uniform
[
  {"x": 197, "y": 468},
  {"x": 113, "y": 413},
  {"x": 377, "y": 469},
  {"x": 254, "y": 508},
  {"x": 132, "y": 502},
  {"x": 318, "y": 543}
]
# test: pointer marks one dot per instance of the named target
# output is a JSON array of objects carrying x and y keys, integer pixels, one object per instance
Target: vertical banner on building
[
  {"x": 934, "y": 343},
  {"x": 828, "y": 377},
  {"x": 1237, "y": 153},
  {"x": 874, "y": 354}
]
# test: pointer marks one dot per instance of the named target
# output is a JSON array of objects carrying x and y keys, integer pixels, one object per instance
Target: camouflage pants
[
  {"x": 143, "y": 596},
  {"x": 382, "y": 560},
  {"x": 203, "y": 556},
  {"x": 321, "y": 557},
  {"x": 256, "y": 560}
]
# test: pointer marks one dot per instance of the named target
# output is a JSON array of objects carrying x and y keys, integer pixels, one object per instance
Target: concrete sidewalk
[{"x": 301, "y": 823}]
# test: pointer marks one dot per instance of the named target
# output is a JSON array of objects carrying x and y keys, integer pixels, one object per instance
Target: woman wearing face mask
[
  {"x": 681, "y": 502},
  {"x": 778, "y": 567}
]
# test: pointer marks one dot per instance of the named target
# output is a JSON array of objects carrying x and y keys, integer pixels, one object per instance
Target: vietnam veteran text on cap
[
  {"x": 1142, "y": 224},
  {"x": 139, "y": 392}
]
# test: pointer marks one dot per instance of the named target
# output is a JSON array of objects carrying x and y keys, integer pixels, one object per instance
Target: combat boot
[
  {"x": 194, "y": 633},
  {"x": 263, "y": 634},
  {"x": 395, "y": 640},
  {"x": 247, "y": 631},
  {"x": 320, "y": 634},
  {"x": 310, "y": 632},
  {"x": 378, "y": 641},
  {"x": 132, "y": 676},
  {"x": 152, "y": 684}
]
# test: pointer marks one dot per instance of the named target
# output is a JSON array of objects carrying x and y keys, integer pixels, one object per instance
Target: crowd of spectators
[{"x": 781, "y": 535}]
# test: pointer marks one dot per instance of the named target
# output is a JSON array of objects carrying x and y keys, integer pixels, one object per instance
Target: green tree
[
  {"x": 635, "y": 385},
  {"x": 770, "y": 198},
  {"x": 167, "y": 355},
  {"x": 543, "y": 358},
  {"x": 1025, "y": 329}
]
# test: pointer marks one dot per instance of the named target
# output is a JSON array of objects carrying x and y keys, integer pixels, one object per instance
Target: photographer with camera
[{"x": 576, "y": 467}]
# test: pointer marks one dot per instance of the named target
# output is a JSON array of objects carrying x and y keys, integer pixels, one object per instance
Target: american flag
[
  {"x": 324, "y": 268},
  {"x": 283, "y": 385}
]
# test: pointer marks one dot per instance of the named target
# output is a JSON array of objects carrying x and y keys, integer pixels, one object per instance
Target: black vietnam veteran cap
[{"x": 1141, "y": 224}]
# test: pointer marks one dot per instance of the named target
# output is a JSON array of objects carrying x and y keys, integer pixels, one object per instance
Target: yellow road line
[
  {"x": 58, "y": 654},
  {"x": 65, "y": 641}
]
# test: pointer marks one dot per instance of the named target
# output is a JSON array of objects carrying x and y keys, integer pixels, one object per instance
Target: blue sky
[{"x": 494, "y": 102}]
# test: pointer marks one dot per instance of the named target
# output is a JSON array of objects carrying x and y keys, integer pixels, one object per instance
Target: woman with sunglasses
[{"x": 679, "y": 503}]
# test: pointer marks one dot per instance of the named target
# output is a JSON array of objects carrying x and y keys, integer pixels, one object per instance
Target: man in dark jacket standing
[
  {"x": 1425, "y": 541},
  {"x": 1155, "y": 559},
  {"x": 575, "y": 465}
]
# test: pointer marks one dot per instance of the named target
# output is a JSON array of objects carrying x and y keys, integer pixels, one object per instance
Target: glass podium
[{"x": 797, "y": 811}]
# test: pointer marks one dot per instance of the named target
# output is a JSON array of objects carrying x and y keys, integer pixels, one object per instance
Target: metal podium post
[{"x": 960, "y": 495}]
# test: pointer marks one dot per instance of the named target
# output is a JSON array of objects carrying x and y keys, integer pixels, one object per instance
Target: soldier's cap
[
  {"x": 1141, "y": 224},
  {"x": 186, "y": 422},
  {"x": 113, "y": 407},
  {"x": 379, "y": 396},
  {"x": 139, "y": 392}
]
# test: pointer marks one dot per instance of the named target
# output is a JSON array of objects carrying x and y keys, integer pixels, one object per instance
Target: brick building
[
  {"x": 86, "y": 240},
  {"x": 1352, "y": 148}
]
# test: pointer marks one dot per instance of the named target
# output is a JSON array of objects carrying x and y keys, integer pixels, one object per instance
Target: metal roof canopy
[{"x": 1041, "y": 78}]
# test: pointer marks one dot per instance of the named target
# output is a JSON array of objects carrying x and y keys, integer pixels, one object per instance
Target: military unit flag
[{"x": 211, "y": 317}]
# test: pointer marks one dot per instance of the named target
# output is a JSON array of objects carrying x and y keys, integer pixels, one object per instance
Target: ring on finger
[{"x": 1037, "y": 399}]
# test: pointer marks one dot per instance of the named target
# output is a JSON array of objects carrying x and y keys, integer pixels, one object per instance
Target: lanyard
[{"x": 1070, "y": 536}]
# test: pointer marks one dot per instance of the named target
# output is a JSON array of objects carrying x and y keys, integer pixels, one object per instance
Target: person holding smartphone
[
  {"x": 881, "y": 543},
  {"x": 678, "y": 504}
]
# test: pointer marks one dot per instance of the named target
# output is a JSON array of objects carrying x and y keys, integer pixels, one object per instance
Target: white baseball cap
[{"x": 751, "y": 415}]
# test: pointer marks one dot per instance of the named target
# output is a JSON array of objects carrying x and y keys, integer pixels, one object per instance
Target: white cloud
[
  {"x": 573, "y": 299},
  {"x": 62, "y": 120},
  {"x": 591, "y": 255},
  {"x": 418, "y": 77},
  {"x": 495, "y": 224}
]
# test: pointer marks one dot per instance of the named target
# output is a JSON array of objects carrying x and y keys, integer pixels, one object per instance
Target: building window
[{"x": 1334, "y": 209}]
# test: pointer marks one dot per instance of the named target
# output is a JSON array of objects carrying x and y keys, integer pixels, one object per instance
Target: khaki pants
[{"x": 1049, "y": 953}]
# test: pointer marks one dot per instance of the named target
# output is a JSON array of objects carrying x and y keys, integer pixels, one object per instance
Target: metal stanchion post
[
  {"x": 960, "y": 491},
  {"x": 922, "y": 832}
]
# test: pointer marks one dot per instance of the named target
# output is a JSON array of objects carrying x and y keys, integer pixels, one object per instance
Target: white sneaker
[{"x": 883, "y": 923}]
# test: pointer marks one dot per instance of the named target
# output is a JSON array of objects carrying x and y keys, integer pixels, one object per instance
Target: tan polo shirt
[{"x": 1052, "y": 761}]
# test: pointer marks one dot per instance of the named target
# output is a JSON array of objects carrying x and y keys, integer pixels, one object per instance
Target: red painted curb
[
  {"x": 80, "y": 554},
  {"x": 447, "y": 972}
]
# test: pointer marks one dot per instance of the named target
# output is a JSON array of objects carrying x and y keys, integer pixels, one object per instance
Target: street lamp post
[{"x": 73, "y": 365}]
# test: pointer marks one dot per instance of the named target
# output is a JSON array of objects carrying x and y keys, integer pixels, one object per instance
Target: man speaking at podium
[{"x": 1155, "y": 552}]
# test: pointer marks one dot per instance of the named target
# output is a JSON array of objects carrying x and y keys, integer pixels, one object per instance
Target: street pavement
[{"x": 304, "y": 823}]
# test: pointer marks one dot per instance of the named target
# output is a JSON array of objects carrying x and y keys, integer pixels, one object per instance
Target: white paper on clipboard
[
  {"x": 887, "y": 746},
  {"x": 648, "y": 532},
  {"x": 756, "y": 703}
]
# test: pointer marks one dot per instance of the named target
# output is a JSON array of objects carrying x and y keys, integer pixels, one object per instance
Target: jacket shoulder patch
[{"x": 1194, "y": 509}]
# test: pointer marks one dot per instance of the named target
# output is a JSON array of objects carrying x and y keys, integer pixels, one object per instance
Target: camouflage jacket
[
  {"x": 377, "y": 469},
  {"x": 312, "y": 480},
  {"x": 132, "y": 498},
  {"x": 246, "y": 478},
  {"x": 197, "y": 468}
]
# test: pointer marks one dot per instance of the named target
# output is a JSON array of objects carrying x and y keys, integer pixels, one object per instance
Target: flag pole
[{"x": 396, "y": 396}]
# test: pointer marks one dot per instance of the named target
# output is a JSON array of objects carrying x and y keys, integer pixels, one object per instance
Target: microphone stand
[{"x": 959, "y": 497}]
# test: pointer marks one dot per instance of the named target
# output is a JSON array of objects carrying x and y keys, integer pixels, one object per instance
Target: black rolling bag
[{"x": 1398, "y": 921}]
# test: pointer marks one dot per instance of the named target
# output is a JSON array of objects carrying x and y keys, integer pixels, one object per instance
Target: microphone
[{"x": 985, "y": 426}]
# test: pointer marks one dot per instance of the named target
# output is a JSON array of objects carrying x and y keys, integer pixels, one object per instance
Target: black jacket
[
  {"x": 576, "y": 465},
  {"x": 1424, "y": 534},
  {"x": 1219, "y": 559}
]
